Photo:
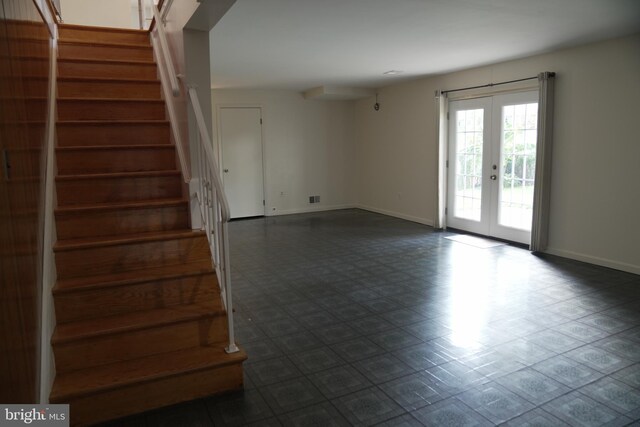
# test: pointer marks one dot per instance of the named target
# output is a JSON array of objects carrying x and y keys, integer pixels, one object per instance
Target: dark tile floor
[{"x": 354, "y": 318}]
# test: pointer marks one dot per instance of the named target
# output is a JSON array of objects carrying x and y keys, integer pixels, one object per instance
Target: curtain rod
[{"x": 491, "y": 84}]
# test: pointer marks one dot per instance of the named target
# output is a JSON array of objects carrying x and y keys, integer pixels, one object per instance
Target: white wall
[
  {"x": 595, "y": 202},
  {"x": 308, "y": 148},
  {"x": 99, "y": 13},
  {"x": 396, "y": 153}
]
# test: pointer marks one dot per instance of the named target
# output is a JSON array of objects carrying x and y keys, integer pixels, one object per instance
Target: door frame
[
  {"x": 443, "y": 137},
  {"x": 218, "y": 148}
]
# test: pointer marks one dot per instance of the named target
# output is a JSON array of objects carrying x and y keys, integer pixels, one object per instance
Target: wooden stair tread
[
  {"x": 107, "y": 80},
  {"x": 117, "y": 147},
  {"x": 23, "y": 37},
  {"x": 129, "y": 277},
  {"x": 102, "y": 29},
  {"x": 120, "y": 36},
  {"x": 80, "y": 330},
  {"x": 19, "y": 212},
  {"x": 117, "y": 175},
  {"x": 132, "y": 100},
  {"x": 22, "y": 179},
  {"x": 154, "y": 203},
  {"x": 27, "y": 122},
  {"x": 27, "y": 56},
  {"x": 103, "y": 43},
  {"x": 91, "y": 242},
  {"x": 109, "y": 122},
  {"x": 108, "y": 61},
  {"x": 22, "y": 149},
  {"x": 116, "y": 375}
]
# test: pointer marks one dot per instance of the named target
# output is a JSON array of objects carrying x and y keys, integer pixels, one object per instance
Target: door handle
[
  {"x": 493, "y": 177},
  {"x": 226, "y": 171}
]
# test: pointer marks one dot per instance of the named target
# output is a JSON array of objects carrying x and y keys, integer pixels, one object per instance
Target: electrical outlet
[{"x": 314, "y": 199}]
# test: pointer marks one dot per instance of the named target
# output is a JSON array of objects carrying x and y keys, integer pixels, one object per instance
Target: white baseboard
[
  {"x": 604, "y": 262},
  {"x": 307, "y": 210},
  {"x": 411, "y": 218}
]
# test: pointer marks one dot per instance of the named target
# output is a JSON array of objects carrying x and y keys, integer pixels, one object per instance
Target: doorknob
[
  {"x": 493, "y": 177},
  {"x": 226, "y": 171}
]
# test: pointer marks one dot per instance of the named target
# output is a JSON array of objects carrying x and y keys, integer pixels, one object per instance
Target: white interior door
[
  {"x": 492, "y": 149},
  {"x": 241, "y": 145}
]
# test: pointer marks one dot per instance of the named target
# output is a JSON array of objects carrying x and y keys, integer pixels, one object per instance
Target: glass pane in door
[
  {"x": 468, "y": 167},
  {"x": 518, "y": 162}
]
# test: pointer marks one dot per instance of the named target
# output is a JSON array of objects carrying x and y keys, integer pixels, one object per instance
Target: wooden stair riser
[
  {"x": 22, "y": 194},
  {"x": 83, "y": 304},
  {"x": 110, "y": 110},
  {"x": 31, "y": 67},
  {"x": 70, "y": 33},
  {"x": 100, "y": 260},
  {"x": 18, "y": 28},
  {"x": 102, "y": 350},
  {"x": 109, "y": 222},
  {"x": 140, "y": 397},
  {"x": 91, "y": 134},
  {"x": 108, "y": 160},
  {"x": 127, "y": 89},
  {"x": 107, "y": 70},
  {"x": 17, "y": 200},
  {"x": 32, "y": 47},
  {"x": 22, "y": 226},
  {"x": 36, "y": 109},
  {"x": 67, "y": 50},
  {"x": 24, "y": 163},
  {"x": 35, "y": 86},
  {"x": 16, "y": 138},
  {"x": 92, "y": 190}
]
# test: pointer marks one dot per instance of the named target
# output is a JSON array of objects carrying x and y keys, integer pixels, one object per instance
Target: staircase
[{"x": 140, "y": 319}]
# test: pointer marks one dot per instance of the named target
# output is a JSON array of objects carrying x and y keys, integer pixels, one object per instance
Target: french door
[{"x": 492, "y": 155}]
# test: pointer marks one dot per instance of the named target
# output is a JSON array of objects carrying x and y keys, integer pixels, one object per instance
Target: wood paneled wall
[{"x": 24, "y": 87}]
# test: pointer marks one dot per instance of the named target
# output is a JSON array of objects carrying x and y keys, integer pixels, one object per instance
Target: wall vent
[{"x": 314, "y": 199}]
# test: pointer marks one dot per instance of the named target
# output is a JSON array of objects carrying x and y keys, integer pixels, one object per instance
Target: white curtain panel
[
  {"x": 442, "y": 107},
  {"x": 542, "y": 190}
]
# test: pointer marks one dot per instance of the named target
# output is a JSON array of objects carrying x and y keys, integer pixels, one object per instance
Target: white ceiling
[{"x": 302, "y": 44}]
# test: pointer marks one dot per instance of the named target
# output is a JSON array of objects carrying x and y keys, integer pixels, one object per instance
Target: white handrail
[
  {"x": 173, "y": 119},
  {"x": 165, "y": 10},
  {"x": 173, "y": 78},
  {"x": 214, "y": 209},
  {"x": 211, "y": 157}
]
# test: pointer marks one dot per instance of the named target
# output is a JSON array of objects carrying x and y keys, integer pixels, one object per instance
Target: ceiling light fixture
[{"x": 392, "y": 72}]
